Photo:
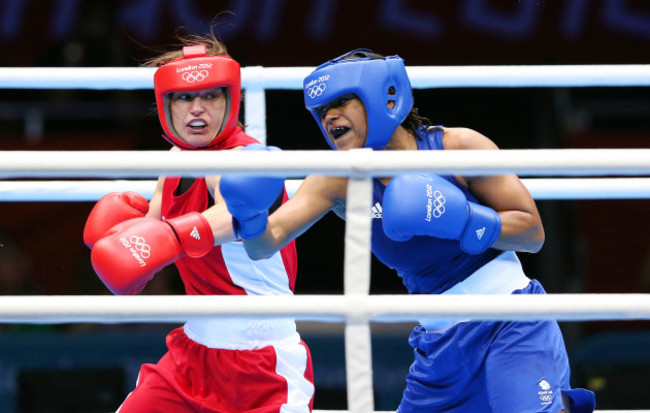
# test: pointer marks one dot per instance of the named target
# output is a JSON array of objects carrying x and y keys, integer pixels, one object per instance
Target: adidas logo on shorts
[{"x": 375, "y": 211}]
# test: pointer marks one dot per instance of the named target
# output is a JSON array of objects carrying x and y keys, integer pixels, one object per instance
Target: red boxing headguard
[{"x": 197, "y": 71}]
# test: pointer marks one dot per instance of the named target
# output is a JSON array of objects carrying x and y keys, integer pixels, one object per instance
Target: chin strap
[{"x": 579, "y": 400}]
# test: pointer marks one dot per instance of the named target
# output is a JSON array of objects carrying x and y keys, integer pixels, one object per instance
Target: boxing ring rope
[
  {"x": 356, "y": 163},
  {"x": 387, "y": 308},
  {"x": 256, "y": 80},
  {"x": 109, "y": 78},
  {"x": 355, "y": 307},
  {"x": 540, "y": 189}
]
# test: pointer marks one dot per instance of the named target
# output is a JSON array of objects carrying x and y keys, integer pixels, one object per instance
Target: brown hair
[{"x": 213, "y": 47}]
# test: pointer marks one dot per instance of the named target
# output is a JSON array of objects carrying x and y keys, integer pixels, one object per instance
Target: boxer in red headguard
[{"x": 212, "y": 365}]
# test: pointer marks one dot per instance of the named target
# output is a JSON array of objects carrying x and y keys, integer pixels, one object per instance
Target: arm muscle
[{"x": 521, "y": 224}]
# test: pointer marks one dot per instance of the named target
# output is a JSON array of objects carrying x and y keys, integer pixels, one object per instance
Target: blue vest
[{"x": 427, "y": 265}]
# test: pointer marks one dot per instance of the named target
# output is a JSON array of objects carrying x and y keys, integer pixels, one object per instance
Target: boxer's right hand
[
  {"x": 110, "y": 210},
  {"x": 132, "y": 252}
]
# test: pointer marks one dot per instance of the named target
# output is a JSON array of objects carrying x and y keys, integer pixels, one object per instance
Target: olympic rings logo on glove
[
  {"x": 195, "y": 76},
  {"x": 316, "y": 90},
  {"x": 141, "y": 246},
  {"x": 438, "y": 204}
]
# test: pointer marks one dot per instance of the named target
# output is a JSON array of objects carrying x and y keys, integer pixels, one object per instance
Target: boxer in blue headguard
[
  {"x": 382, "y": 85},
  {"x": 446, "y": 234}
]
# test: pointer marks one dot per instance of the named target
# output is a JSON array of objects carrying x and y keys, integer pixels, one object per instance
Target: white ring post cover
[
  {"x": 255, "y": 103},
  {"x": 356, "y": 273}
]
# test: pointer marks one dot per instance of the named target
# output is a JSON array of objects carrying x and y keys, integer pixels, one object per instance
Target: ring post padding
[
  {"x": 255, "y": 103},
  {"x": 356, "y": 276}
]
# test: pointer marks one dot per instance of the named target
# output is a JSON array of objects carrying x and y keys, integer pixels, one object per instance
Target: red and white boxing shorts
[{"x": 224, "y": 366}]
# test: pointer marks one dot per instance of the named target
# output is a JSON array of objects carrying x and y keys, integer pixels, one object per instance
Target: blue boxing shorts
[{"x": 488, "y": 367}]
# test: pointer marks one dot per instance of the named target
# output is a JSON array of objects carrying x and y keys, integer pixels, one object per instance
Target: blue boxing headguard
[{"x": 375, "y": 81}]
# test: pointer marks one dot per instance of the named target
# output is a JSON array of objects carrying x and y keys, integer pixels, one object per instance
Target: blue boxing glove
[
  {"x": 248, "y": 198},
  {"x": 426, "y": 204}
]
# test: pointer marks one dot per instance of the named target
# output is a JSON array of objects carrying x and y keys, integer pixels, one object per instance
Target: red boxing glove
[
  {"x": 110, "y": 210},
  {"x": 130, "y": 253}
]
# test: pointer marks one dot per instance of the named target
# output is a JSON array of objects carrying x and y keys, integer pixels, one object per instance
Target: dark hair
[{"x": 416, "y": 122}]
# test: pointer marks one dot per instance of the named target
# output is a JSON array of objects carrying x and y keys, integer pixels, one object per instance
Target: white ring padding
[
  {"x": 358, "y": 350},
  {"x": 358, "y": 231},
  {"x": 126, "y": 78},
  {"x": 529, "y": 76},
  {"x": 98, "y": 78},
  {"x": 78, "y": 191},
  {"x": 358, "y": 367},
  {"x": 255, "y": 103},
  {"x": 588, "y": 188},
  {"x": 325, "y": 308},
  {"x": 291, "y": 163},
  {"x": 539, "y": 188}
]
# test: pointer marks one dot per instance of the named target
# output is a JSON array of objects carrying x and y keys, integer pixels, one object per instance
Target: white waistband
[
  {"x": 502, "y": 275},
  {"x": 241, "y": 333}
]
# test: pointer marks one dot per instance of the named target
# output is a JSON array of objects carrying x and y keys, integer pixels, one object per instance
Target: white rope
[
  {"x": 47, "y": 191},
  {"x": 325, "y": 308},
  {"x": 256, "y": 79},
  {"x": 589, "y": 188},
  {"x": 539, "y": 188},
  {"x": 104, "y": 78},
  {"x": 360, "y": 164}
]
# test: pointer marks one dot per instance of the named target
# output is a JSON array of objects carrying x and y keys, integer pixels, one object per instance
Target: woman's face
[
  {"x": 197, "y": 117},
  {"x": 344, "y": 121}
]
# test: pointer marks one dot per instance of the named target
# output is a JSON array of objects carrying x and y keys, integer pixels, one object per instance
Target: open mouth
[
  {"x": 339, "y": 131},
  {"x": 197, "y": 124}
]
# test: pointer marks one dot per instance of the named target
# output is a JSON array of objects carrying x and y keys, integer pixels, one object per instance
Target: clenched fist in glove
[
  {"x": 110, "y": 210},
  {"x": 131, "y": 252},
  {"x": 426, "y": 204},
  {"x": 249, "y": 198}
]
